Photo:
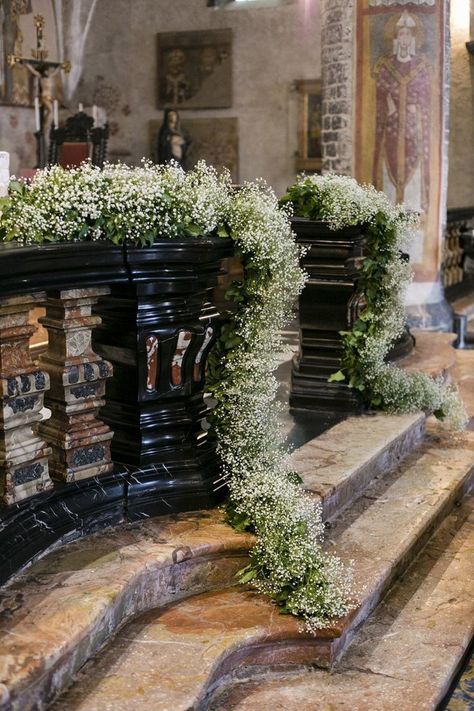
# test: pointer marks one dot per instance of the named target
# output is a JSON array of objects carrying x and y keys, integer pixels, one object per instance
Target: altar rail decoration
[{"x": 108, "y": 425}]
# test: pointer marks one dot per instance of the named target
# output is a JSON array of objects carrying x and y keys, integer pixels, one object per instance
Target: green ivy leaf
[{"x": 337, "y": 377}]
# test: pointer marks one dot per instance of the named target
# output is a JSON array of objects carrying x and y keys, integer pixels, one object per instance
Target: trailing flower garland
[
  {"x": 287, "y": 562},
  {"x": 341, "y": 201},
  {"x": 141, "y": 204}
]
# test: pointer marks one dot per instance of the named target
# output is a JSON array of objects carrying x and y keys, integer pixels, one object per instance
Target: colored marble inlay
[
  {"x": 197, "y": 373},
  {"x": 80, "y": 441},
  {"x": 24, "y": 474},
  {"x": 88, "y": 455},
  {"x": 23, "y": 455},
  {"x": 184, "y": 340},
  {"x": 151, "y": 362}
]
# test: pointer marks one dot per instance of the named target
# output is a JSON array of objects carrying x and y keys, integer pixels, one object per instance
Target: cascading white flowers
[
  {"x": 341, "y": 202},
  {"x": 141, "y": 204}
]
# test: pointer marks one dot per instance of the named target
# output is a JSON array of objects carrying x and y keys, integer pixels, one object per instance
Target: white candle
[
  {"x": 37, "y": 114},
  {"x": 55, "y": 113},
  {"x": 81, "y": 107},
  {"x": 94, "y": 113},
  {"x": 4, "y": 173}
]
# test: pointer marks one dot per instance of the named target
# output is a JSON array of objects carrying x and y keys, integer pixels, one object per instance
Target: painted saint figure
[
  {"x": 173, "y": 141},
  {"x": 403, "y": 100}
]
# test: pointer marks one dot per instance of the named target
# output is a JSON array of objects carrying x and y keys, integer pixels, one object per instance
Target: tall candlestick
[
  {"x": 55, "y": 113},
  {"x": 37, "y": 114}
]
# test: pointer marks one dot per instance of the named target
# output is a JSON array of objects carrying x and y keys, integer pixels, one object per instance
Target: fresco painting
[{"x": 399, "y": 120}]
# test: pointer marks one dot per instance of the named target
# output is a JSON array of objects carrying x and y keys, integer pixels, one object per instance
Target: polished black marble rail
[{"x": 147, "y": 315}]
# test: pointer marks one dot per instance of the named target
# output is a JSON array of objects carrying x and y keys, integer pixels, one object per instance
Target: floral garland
[
  {"x": 140, "y": 204},
  {"x": 341, "y": 201},
  {"x": 287, "y": 562}
]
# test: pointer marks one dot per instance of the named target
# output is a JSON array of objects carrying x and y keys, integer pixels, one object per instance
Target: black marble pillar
[
  {"x": 328, "y": 304},
  {"x": 157, "y": 331}
]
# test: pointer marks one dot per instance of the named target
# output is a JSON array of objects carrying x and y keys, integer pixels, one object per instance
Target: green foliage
[
  {"x": 138, "y": 205},
  {"x": 342, "y": 202}
]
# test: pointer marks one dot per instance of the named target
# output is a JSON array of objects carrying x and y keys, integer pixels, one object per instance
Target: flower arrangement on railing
[
  {"x": 141, "y": 204},
  {"x": 341, "y": 202}
]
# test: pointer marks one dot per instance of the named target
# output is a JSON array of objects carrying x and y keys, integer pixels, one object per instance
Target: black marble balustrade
[{"x": 158, "y": 324}]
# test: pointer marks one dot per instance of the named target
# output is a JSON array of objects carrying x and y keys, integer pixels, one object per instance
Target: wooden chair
[{"x": 77, "y": 141}]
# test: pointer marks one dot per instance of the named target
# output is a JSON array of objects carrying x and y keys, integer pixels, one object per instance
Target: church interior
[{"x": 236, "y": 355}]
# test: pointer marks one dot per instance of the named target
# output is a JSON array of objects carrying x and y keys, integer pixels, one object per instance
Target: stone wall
[{"x": 272, "y": 47}]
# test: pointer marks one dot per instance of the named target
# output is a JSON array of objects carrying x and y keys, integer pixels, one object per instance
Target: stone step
[
  {"x": 433, "y": 354},
  {"x": 407, "y": 654},
  {"x": 66, "y": 606},
  {"x": 386, "y": 528},
  {"x": 122, "y": 573},
  {"x": 338, "y": 465},
  {"x": 172, "y": 658}
]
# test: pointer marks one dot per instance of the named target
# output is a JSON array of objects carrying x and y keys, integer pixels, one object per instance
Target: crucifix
[{"x": 43, "y": 70}]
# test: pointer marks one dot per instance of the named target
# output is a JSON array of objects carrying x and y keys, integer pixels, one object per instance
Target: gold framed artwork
[
  {"x": 309, "y": 156},
  {"x": 195, "y": 69}
]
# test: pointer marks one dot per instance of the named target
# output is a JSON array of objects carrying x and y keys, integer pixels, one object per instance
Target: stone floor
[{"x": 153, "y": 608}]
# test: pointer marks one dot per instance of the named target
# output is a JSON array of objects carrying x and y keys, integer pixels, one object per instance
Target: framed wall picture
[
  {"x": 309, "y": 157},
  {"x": 195, "y": 69}
]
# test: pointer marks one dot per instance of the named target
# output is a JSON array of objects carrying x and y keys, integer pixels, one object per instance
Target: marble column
[
  {"x": 80, "y": 441},
  {"x": 385, "y": 123},
  {"x": 23, "y": 454}
]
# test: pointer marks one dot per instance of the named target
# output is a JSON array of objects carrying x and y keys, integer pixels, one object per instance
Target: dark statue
[{"x": 173, "y": 141}]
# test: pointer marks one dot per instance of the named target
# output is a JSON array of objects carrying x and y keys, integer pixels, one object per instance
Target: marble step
[
  {"x": 433, "y": 354},
  {"x": 406, "y": 655},
  {"x": 67, "y": 605},
  {"x": 338, "y": 465},
  {"x": 173, "y": 658},
  {"x": 123, "y": 572}
]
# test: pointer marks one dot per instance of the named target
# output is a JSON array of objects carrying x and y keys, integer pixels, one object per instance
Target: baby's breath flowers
[
  {"x": 141, "y": 204},
  {"x": 341, "y": 201},
  {"x": 118, "y": 203},
  {"x": 287, "y": 562}
]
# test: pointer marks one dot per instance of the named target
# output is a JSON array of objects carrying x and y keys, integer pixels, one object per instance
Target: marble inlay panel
[
  {"x": 80, "y": 441},
  {"x": 197, "y": 371},
  {"x": 151, "y": 362},
  {"x": 184, "y": 341},
  {"x": 23, "y": 455}
]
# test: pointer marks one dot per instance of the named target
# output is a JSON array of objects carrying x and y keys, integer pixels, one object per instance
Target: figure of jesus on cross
[{"x": 43, "y": 70}]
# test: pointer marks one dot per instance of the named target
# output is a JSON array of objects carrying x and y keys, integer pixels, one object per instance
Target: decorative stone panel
[
  {"x": 80, "y": 441},
  {"x": 23, "y": 454}
]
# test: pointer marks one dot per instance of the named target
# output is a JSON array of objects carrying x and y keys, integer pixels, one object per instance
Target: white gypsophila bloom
[
  {"x": 149, "y": 202},
  {"x": 288, "y": 523},
  {"x": 342, "y": 202}
]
